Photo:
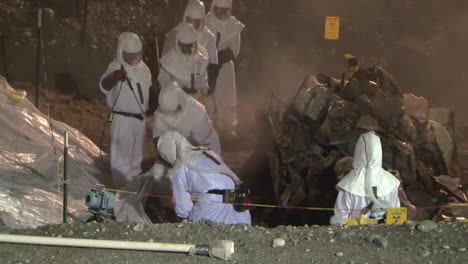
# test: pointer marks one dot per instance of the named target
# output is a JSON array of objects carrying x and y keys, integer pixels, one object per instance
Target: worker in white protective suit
[
  {"x": 180, "y": 112},
  {"x": 195, "y": 15},
  {"x": 222, "y": 100},
  {"x": 199, "y": 181},
  {"x": 130, "y": 95},
  {"x": 186, "y": 63},
  {"x": 367, "y": 186}
]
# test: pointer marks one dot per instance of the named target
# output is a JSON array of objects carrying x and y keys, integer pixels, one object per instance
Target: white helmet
[
  {"x": 187, "y": 34},
  {"x": 167, "y": 145},
  {"x": 187, "y": 40},
  {"x": 169, "y": 98},
  {"x": 128, "y": 42},
  {"x": 221, "y": 3},
  {"x": 195, "y": 9}
]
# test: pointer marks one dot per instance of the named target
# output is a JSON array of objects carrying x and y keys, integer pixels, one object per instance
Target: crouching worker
[
  {"x": 130, "y": 95},
  {"x": 180, "y": 112},
  {"x": 203, "y": 187},
  {"x": 368, "y": 188}
]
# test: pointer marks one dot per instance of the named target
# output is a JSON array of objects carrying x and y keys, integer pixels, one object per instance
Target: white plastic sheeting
[
  {"x": 129, "y": 205},
  {"x": 31, "y": 162}
]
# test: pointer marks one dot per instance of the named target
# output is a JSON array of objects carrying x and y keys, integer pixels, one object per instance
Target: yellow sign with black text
[{"x": 332, "y": 28}]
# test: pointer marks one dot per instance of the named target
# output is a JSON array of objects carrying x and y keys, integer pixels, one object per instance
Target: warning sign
[{"x": 332, "y": 27}]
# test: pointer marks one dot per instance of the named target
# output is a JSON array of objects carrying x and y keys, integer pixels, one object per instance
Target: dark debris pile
[{"x": 315, "y": 137}]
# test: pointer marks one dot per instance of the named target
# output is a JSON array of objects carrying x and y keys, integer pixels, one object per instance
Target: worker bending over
[{"x": 180, "y": 112}]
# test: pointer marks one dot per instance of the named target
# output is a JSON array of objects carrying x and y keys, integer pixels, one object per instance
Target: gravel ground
[{"x": 306, "y": 244}]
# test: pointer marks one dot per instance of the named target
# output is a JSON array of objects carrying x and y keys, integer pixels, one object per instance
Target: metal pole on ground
[
  {"x": 38, "y": 55},
  {"x": 65, "y": 177}
]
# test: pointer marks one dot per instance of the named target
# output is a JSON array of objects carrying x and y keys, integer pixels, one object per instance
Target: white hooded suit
[
  {"x": 222, "y": 104},
  {"x": 355, "y": 190},
  {"x": 182, "y": 113},
  {"x": 195, "y": 9},
  {"x": 127, "y": 132},
  {"x": 179, "y": 67},
  {"x": 195, "y": 173}
]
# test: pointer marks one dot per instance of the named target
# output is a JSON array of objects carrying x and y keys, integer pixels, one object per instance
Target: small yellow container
[{"x": 17, "y": 95}]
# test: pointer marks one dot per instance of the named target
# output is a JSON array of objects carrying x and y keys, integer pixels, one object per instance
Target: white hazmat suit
[
  {"x": 195, "y": 172},
  {"x": 188, "y": 70},
  {"x": 182, "y": 113},
  {"x": 196, "y": 10},
  {"x": 129, "y": 105},
  {"x": 222, "y": 102},
  {"x": 367, "y": 182}
]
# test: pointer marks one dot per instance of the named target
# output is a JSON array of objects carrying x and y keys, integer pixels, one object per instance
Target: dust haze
[{"x": 421, "y": 42}]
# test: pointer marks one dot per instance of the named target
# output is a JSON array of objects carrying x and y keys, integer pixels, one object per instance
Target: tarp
[
  {"x": 31, "y": 164},
  {"x": 131, "y": 202}
]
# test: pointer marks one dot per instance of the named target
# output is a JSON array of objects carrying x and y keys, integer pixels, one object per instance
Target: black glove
[
  {"x": 119, "y": 75},
  {"x": 225, "y": 55},
  {"x": 113, "y": 78},
  {"x": 213, "y": 72},
  {"x": 218, "y": 38}
]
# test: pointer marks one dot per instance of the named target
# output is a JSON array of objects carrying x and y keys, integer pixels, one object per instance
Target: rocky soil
[{"x": 305, "y": 244}]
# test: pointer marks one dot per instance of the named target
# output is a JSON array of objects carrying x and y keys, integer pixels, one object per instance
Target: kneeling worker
[
  {"x": 201, "y": 183},
  {"x": 368, "y": 187}
]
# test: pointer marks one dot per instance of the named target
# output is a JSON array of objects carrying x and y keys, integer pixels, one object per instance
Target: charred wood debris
[{"x": 315, "y": 134}]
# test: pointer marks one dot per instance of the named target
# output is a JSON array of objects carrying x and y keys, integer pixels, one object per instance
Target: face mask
[
  {"x": 132, "y": 58},
  {"x": 196, "y": 23},
  {"x": 188, "y": 49},
  {"x": 222, "y": 13}
]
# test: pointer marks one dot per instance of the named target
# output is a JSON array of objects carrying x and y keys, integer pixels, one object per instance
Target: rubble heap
[{"x": 315, "y": 137}]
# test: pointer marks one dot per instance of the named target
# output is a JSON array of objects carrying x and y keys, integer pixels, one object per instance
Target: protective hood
[
  {"x": 131, "y": 43},
  {"x": 177, "y": 150},
  {"x": 221, "y": 3},
  {"x": 169, "y": 98},
  {"x": 196, "y": 10},
  {"x": 227, "y": 28},
  {"x": 181, "y": 66},
  {"x": 186, "y": 34},
  {"x": 367, "y": 170}
]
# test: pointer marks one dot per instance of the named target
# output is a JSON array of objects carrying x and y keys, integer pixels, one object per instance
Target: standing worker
[
  {"x": 195, "y": 15},
  {"x": 368, "y": 187},
  {"x": 222, "y": 101},
  {"x": 130, "y": 96},
  {"x": 201, "y": 183},
  {"x": 180, "y": 112},
  {"x": 186, "y": 63}
]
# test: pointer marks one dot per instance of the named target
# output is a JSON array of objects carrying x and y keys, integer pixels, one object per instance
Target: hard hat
[
  {"x": 187, "y": 34},
  {"x": 195, "y": 9},
  {"x": 169, "y": 98},
  {"x": 222, "y": 3}
]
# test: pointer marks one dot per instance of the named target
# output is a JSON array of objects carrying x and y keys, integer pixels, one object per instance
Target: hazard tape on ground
[{"x": 169, "y": 197}]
